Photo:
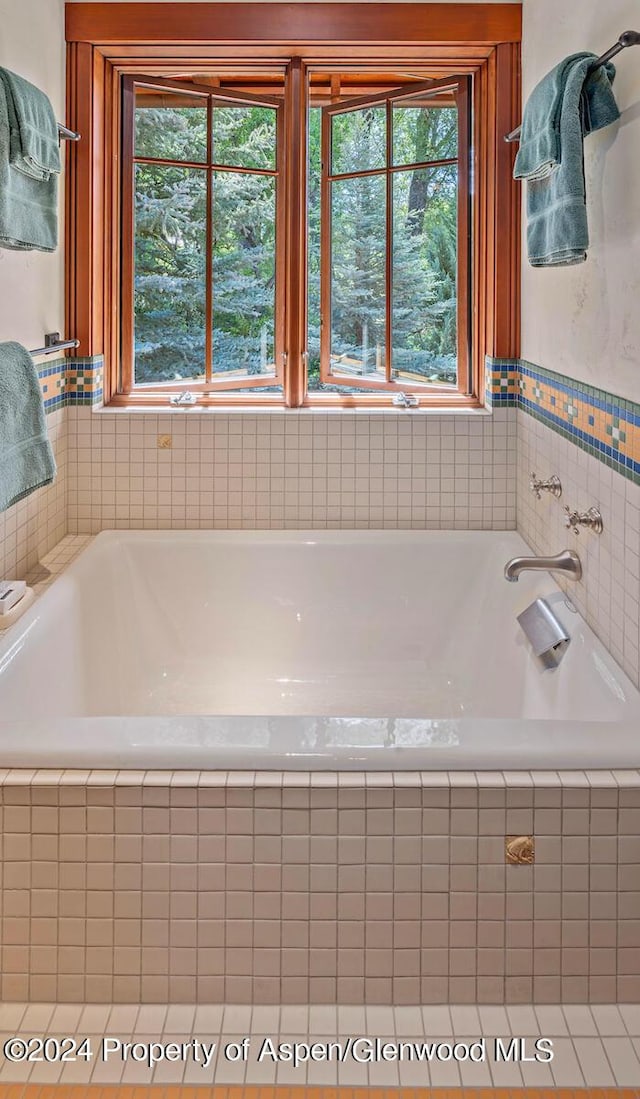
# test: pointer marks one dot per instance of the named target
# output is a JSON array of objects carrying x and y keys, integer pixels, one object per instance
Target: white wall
[
  {"x": 584, "y": 321},
  {"x": 32, "y": 283}
]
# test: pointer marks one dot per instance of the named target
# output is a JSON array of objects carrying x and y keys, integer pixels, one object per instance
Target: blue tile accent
[
  {"x": 71, "y": 373},
  {"x": 572, "y": 398}
]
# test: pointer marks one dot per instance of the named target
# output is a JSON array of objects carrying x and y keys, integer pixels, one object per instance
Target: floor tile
[
  {"x": 437, "y": 1021},
  {"x": 581, "y": 1055},
  {"x": 580, "y": 1022},
  {"x": 623, "y": 1061},
  {"x": 631, "y": 1016},
  {"x": 608, "y": 1019},
  {"x": 565, "y": 1067},
  {"x": 151, "y": 1018},
  {"x": 593, "y": 1062}
]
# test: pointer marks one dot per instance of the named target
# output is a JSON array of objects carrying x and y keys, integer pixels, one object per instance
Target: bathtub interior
[{"x": 375, "y": 625}]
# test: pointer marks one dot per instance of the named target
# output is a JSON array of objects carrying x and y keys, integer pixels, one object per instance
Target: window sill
[{"x": 279, "y": 410}]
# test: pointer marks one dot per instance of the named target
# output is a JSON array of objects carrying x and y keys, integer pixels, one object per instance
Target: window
[
  {"x": 204, "y": 231},
  {"x": 293, "y": 205},
  {"x": 394, "y": 274},
  {"x": 202, "y": 239}
]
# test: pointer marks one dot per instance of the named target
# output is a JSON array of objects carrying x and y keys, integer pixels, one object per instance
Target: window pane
[
  {"x": 425, "y": 128},
  {"x": 314, "y": 174},
  {"x": 359, "y": 140},
  {"x": 424, "y": 275},
  {"x": 244, "y": 273},
  {"x": 314, "y": 384},
  {"x": 358, "y": 250},
  {"x": 169, "y": 273},
  {"x": 244, "y": 137},
  {"x": 170, "y": 125}
]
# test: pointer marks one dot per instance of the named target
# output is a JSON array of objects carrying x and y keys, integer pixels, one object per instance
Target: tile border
[
  {"x": 68, "y": 381},
  {"x": 600, "y": 423}
]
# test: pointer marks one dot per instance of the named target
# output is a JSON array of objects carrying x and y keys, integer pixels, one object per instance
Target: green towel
[
  {"x": 26, "y": 457},
  {"x": 28, "y": 207},
  {"x": 34, "y": 143},
  {"x": 573, "y": 100}
]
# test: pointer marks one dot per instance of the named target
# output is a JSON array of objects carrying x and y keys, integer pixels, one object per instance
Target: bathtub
[{"x": 321, "y": 650}]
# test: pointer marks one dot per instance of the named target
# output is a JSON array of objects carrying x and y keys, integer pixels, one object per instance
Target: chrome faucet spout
[{"x": 567, "y": 562}]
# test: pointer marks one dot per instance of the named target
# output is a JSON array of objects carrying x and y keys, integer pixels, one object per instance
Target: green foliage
[
  {"x": 171, "y": 233},
  {"x": 169, "y": 289},
  {"x": 170, "y": 244},
  {"x": 424, "y": 276}
]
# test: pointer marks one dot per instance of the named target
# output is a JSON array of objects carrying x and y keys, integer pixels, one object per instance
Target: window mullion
[
  {"x": 127, "y": 327},
  {"x": 325, "y": 249},
  {"x": 295, "y": 380},
  {"x": 463, "y": 266},
  {"x": 389, "y": 248},
  {"x": 209, "y": 249}
]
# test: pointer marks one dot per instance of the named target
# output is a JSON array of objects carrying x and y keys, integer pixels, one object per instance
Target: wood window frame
[
  {"x": 465, "y": 385},
  {"x": 213, "y": 97},
  {"x": 107, "y": 41}
]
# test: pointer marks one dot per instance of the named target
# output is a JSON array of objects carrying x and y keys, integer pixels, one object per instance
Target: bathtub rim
[
  {"x": 346, "y": 762},
  {"x": 133, "y": 746}
]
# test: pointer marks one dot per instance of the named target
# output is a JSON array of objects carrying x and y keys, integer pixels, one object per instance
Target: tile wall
[
  {"x": 590, "y": 439},
  {"x": 31, "y": 528},
  {"x": 608, "y": 596},
  {"x": 320, "y": 888},
  {"x": 194, "y": 469}
]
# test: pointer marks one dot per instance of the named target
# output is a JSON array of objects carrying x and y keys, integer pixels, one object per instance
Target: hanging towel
[
  {"x": 26, "y": 457},
  {"x": 573, "y": 100},
  {"x": 34, "y": 146},
  {"x": 28, "y": 206}
]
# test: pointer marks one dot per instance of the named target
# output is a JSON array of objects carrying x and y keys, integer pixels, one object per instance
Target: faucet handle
[
  {"x": 591, "y": 519},
  {"x": 552, "y": 485},
  {"x": 405, "y": 400},
  {"x": 178, "y": 400}
]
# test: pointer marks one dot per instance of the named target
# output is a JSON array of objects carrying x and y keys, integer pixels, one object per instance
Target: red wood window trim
[
  {"x": 107, "y": 41},
  {"x": 195, "y": 23}
]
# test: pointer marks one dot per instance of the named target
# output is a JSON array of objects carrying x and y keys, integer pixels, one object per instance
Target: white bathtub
[{"x": 305, "y": 650}]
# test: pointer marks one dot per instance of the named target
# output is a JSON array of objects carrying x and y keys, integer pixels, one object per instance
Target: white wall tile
[
  {"x": 608, "y": 596},
  {"x": 291, "y": 470}
]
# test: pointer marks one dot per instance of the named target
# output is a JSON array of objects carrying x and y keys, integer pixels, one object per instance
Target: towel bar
[
  {"x": 629, "y": 38},
  {"x": 52, "y": 342},
  {"x": 67, "y": 135}
]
